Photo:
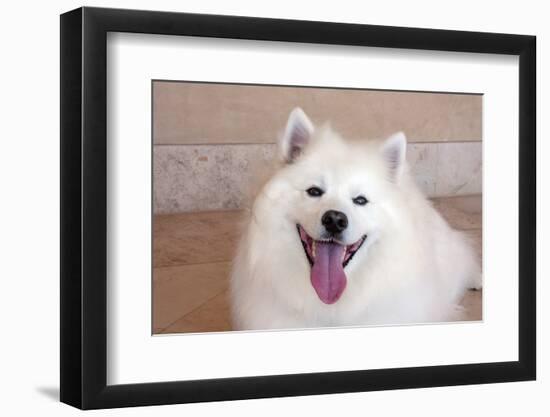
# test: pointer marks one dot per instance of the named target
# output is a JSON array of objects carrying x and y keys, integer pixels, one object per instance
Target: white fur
[{"x": 412, "y": 268}]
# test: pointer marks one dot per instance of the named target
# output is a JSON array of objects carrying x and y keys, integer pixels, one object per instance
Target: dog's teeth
[{"x": 313, "y": 246}]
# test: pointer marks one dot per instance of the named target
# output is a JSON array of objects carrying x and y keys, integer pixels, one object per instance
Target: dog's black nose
[{"x": 334, "y": 221}]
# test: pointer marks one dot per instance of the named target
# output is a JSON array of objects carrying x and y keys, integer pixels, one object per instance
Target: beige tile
[
  {"x": 201, "y": 237},
  {"x": 212, "y": 316},
  {"x": 476, "y": 238},
  {"x": 463, "y": 213},
  {"x": 199, "y": 113},
  {"x": 471, "y": 204},
  {"x": 193, "y": 297},
  {"x": 191, "y": 238},
  {"x": 179, "y": 290},
  {"x": 472, "y": 303}
]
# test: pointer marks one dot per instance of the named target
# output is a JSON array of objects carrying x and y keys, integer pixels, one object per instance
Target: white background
[{"x": 30, "y": 205}]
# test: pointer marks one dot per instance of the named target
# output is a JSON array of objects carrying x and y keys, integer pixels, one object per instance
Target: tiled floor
[{"x": 192, "y": 254}]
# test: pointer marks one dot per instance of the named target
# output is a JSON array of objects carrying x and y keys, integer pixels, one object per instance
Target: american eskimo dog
[{"x": 340, "y": 235}]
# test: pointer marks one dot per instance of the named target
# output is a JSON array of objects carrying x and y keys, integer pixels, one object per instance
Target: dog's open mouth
[{"x": 328, "y": 258}]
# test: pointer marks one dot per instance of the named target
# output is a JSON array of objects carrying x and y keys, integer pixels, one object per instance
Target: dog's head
[{"x": 336, "y": 195}]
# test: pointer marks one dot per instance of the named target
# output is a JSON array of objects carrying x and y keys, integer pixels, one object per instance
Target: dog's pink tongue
[{"x": 327, "y": 274}]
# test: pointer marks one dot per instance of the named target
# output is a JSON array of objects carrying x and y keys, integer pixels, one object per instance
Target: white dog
[{"x": 340, "y": 235}]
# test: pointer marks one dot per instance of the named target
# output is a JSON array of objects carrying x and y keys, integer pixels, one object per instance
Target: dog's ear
[
  {"x": 394, "y": 150},
  {"x": 297, "y": 135}
]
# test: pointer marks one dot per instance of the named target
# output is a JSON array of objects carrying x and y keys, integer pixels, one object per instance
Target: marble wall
[
  {"x": 219, "y": 177},
  {"x": 211, "y": 140}
]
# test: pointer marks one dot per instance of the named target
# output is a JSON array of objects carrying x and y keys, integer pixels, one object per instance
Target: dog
[{"x": 340, "y": 235}]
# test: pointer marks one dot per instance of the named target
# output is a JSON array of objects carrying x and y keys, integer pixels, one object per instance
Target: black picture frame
[{"x": 84, "y": 207}]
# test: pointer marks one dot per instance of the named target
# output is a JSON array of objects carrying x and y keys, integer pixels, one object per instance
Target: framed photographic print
[{"x": 258, "y": 207}]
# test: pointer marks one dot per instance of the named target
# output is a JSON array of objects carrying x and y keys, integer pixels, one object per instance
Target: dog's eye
[
  {"x": 360, "y": 200},
  {"x": 315, "y": 192}
]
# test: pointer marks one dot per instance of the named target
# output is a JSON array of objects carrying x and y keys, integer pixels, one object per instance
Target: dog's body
[{"x": 340, "y": 235}]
